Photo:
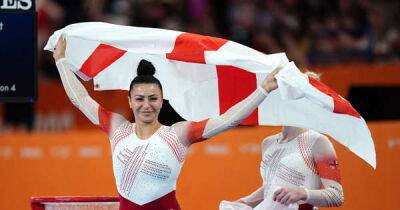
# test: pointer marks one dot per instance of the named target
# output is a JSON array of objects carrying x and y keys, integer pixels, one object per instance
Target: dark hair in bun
[
  {"x": 145, "y": 68},
  {"x": 145, "y": 72}
]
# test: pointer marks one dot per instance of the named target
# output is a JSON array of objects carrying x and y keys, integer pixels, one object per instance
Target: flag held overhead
[{"x": 203, "y": 76}]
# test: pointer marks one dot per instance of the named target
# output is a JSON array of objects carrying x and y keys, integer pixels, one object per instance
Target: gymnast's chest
[
  {"x": 286, "y": 158},
  {"x": 150, "y": 153}
]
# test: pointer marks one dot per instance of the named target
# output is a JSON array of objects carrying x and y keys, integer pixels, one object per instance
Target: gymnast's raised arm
[
  {"x": 79, "y": 96},
  {"x": 192, "y": 132}
]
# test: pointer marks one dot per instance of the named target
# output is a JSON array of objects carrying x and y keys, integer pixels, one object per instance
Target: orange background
[{"x": 229, "y": 172}]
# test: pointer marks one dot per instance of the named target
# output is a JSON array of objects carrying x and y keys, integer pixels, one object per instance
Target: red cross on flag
[{"x": 203, "y": 76}]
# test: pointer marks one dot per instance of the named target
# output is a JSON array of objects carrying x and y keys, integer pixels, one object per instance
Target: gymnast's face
[{"x": 146, "y": 101}]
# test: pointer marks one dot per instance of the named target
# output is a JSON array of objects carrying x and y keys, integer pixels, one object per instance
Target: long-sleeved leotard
[
  {"x": 307, "y": 161},
  {"x": 146, "y": 171}
]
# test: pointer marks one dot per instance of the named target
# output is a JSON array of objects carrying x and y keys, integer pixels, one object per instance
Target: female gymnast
[
  {"x": 295, "y": 163},
  {"x": 147, "y": 156}
]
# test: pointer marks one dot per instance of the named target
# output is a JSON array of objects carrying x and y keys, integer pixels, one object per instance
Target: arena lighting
[{"x": 18, "y": 44}]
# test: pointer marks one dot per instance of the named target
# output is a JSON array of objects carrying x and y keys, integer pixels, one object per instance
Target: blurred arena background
[{"x": 48, "y": 148}]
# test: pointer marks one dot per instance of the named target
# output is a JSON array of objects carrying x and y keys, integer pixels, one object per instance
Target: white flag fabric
[{"x": 203, "y": 76}]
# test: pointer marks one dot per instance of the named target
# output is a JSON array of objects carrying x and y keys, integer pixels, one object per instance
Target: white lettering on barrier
[
  {"x": 31, "y": 152},
  {"x": 252, "y": 148},
  {"x": 62, "y": 152},
  {"x": 217, "y": 149},
  {"x": 90, "y": 152},
  {"x": 393, "y": 142}
]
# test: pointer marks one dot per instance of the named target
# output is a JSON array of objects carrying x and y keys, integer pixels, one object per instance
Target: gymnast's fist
[
  {"x": 270, "y": 83},
  {"x": 60, "y": 49}
]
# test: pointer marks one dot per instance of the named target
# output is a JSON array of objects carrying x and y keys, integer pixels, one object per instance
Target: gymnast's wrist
[
  {"x": 307, "y": 194},
  {"x": 60, "y": 60},
  {"x": 262, "y": 90}
]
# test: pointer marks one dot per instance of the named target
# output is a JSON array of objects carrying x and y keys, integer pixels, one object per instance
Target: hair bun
[{"x": 145, "y": 68}]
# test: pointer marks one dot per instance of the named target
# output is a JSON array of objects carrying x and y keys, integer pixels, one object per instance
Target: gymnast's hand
[
  {"x": 287, "y": 196},
  {"x": 60, "y": 49},
  {"x": 270, "y": 83}
]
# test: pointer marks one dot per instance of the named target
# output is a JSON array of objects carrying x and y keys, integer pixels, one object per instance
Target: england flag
[{"x": 203, "y": 76}]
